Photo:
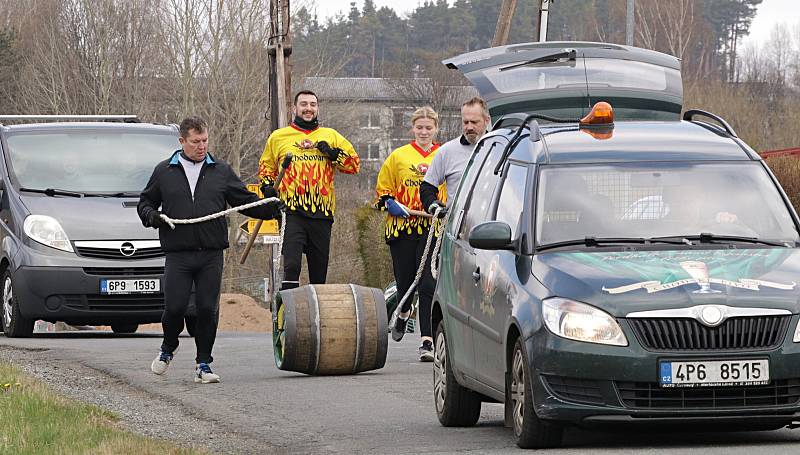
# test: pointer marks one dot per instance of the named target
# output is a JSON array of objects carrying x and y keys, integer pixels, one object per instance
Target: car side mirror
[{"x": 491, "y": 235}]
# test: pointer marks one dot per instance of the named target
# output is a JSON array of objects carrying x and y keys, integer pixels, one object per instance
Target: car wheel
[
  {"x": 530, "y": 431},
  {"x": 14, "y": 325},
  {"x": 456, "y": 406},
  {"x": 191, "y": 321},
  {"x": 124, "y": 328}
]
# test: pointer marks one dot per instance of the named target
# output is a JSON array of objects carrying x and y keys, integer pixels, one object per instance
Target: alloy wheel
[
  {"x": 518, "y": 391},
  {"x": 8, "y": 295},
  {"x": 440, "y": 372}
]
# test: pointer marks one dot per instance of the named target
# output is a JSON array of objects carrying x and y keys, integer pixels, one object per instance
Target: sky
[{"x": 770, "y": 13}]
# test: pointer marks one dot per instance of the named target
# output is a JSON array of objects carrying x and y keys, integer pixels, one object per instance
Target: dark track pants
[
  {"x": 204, "y": 269},
  {"x": 310, "y": 236},
  {"x": 406, "y": 257}
]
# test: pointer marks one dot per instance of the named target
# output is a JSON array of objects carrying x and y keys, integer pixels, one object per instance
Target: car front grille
[
  {"x": 115, "y": 253},
  {"x": 123, "y": 271},
  {"x": 576, "y": 390},
  {"x": 649, "y": 395},
  {"x": 685, "y": 334},
  {"x": 115, "y": 303}
]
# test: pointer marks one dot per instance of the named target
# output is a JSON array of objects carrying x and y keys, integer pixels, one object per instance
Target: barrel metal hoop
[
  {"x": 359, "y": 329},
  {"x": 316, "y": 321}
]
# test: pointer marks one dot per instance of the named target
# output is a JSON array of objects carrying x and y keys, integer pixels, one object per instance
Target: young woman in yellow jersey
[{"x": 398, "y": 188}]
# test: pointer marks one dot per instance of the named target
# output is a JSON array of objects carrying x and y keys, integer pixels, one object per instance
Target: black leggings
[
  {"x": 204, "y": 269},
  {"x": 311, "y": 236},
  {"x": 406, "y": 257}
]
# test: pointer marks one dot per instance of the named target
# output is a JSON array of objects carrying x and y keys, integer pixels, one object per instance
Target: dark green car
[{"x": 641, "y": 272}]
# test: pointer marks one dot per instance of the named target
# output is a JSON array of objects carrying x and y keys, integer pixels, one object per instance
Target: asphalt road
[{"x": 386, "y": 411}]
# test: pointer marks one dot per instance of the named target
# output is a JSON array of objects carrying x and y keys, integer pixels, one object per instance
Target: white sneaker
[
  {"x": 161, "y": 362},
  {"x": 203, "y": 374}
]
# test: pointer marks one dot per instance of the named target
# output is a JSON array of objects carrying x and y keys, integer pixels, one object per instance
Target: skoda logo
[
  {"x": 711, "y": 315},
  {"x": 127, "y": 249}
]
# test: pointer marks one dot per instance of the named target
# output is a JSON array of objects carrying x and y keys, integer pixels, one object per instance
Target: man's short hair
[
  {"x": 305, "y": 92},
  {"x": 477, "y": 101},
  {"x": 192, "y": 123}
]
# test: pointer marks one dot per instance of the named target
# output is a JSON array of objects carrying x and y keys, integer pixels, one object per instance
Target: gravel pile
[{"x": 138, "y": 411}]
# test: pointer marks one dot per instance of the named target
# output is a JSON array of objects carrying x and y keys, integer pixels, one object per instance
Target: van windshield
[
  {"x": 646, "y": 200},
  {"x": 87, "y": 161}
]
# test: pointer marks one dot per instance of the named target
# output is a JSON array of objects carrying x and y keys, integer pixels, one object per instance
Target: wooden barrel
[{"x": 325, "y": 329}]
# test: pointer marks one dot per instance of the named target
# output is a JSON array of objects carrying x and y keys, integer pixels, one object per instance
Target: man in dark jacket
[{"x": 192, "y": 184}]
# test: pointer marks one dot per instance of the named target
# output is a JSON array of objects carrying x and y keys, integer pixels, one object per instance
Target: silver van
[{"x": 72, "y": 247}]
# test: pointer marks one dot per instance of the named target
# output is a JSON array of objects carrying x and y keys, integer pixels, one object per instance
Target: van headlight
[
  {"x": 47, "y": 231},
  {"x": 581, "y": 322}
]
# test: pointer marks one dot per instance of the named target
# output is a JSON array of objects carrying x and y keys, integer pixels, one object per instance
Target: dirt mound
[{"x": 237, "y": 313}]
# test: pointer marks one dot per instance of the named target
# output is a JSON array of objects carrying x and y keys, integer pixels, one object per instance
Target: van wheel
[
  {"x": 14, "y": 325},
  {"x": 456, "y": 406},
  {"x": 124, "y": 328},
  {"x": 531, "y": 432}
]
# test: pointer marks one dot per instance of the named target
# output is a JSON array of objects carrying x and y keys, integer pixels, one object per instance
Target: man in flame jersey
[
  {"x": 307, "y": 186},
  {"x": 398, "y": 190}
]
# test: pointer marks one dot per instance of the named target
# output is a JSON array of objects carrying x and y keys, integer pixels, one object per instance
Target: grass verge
[{"x": 37, "y": 421}]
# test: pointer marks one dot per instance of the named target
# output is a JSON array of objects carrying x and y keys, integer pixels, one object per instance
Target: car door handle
[{"x": 476, "y": 275}]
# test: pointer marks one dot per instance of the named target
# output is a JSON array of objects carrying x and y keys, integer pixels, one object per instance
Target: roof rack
[
  {"x": 689, "y": 116},
  {"x": 83, "y": 118}
]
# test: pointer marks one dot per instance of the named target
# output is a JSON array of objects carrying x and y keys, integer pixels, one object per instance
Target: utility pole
[
  {"x": 629, "y": 24},
  {"x": 280, "y": 71},
  {"x": 544, "y": 12},
  {"x": 504, "y": 22}
]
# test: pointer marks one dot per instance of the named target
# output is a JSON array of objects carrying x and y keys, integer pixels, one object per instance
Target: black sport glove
[
  {"x": 156, "y": 221},
  {"x": 437, "y": 204},
  {"x": 333, "y": 153},
  {"x": 268, "y": 191},
  {"x": 277, "y": 207}
]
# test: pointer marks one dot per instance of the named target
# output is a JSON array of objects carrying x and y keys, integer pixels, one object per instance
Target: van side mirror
[{"x": 491, "y": 235}]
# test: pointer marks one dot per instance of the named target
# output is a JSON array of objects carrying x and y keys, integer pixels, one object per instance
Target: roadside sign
[{"x": 268, "y": 227}]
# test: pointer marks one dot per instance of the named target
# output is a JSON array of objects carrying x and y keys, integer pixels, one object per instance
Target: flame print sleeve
[
  {"x": 386, "y": 180},
  {"x": 268, "y": 163},
  {"x": 348, "y": 161}
]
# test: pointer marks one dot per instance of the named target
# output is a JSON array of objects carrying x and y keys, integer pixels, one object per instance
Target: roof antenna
[{"x": 586, "y": 78}]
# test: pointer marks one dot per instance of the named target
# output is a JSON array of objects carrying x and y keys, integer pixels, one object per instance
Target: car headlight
[
  {"x": 581, "y": 322},
  {"x": 47, "y": 231}
]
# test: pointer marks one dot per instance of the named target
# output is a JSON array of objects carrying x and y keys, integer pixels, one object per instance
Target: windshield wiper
[
  {"x": 597, "y": 241},
  {"x": 53, "y": 192},
  {"x": 706, "y": 237},
  {"x": 566, "y": 54},
  {"x": 118, "y": 194}
]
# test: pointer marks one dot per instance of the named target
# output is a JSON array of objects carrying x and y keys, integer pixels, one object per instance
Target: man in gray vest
[{"x": 448, "y": 165}]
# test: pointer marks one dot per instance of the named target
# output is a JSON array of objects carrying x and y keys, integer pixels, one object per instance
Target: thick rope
[
  {"x": 275, "y": 261},
  {"x": 436, "y": 228}
]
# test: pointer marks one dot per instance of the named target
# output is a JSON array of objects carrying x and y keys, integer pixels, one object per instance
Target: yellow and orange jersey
[
  {"x": 307, "y": 186},
  {"x": 400, "y": 177}
]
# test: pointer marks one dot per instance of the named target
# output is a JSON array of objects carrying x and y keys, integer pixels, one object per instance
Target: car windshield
[
  {"x": 660, "y": 200},
  {"x": 87, "y": 161}
]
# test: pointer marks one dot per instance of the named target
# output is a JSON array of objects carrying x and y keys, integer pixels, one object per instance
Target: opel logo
[
  {"x": 127, "y": 249},
  {"x": 711, "y": 315}
]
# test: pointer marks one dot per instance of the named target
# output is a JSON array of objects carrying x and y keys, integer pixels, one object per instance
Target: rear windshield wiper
[
  {"x": 53, "y": 192},
  {"x": 566, "y": 54},
  {"x": 597, "y": 241}
]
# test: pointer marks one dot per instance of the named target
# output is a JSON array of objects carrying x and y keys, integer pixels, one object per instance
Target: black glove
[
  {"x": 437, "y": 204},
  {"x": 268, "y": 191},
  {"x": 156, "y": 221},
  {"x": 333, "y": 153},
  {"x": 277, "y": 207}
]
